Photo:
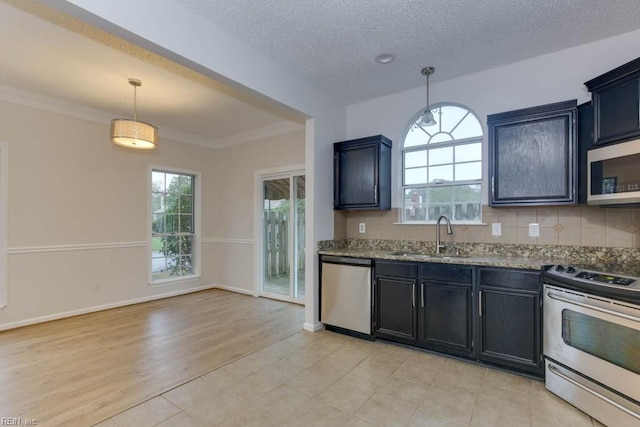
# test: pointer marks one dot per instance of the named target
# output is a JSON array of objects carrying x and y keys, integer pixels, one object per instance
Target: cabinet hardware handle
[
  {"x": 422, "y": 294},
  {"x": 375, "y": 194},
  {"x": 479, "y": 303},
  {"x": 559, "y": 297},
  {"x": 493, "y": 188},
  {"x": 413, "y": 294}
]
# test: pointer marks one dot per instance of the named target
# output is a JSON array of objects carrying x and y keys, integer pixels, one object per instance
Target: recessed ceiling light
[{"x": 385, "y": 58}]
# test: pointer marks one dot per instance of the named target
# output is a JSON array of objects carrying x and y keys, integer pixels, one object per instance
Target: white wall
[
  {"x": 189, "y": 39},
  {"x": 78, "y": 206},
  {"x": 555, "y": 77},
  {"x": 232, "y": 248}
]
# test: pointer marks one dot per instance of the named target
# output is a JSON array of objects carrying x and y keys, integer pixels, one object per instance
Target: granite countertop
[
  {"x": 624, "y": 261},
  {"x": 492, "y": 261}
]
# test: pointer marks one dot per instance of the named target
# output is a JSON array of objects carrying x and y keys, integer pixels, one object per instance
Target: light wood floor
[{"x": 82, "y": 370}]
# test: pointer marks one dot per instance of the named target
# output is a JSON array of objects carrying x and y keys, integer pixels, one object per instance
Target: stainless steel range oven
[{"x": 592, "y": 342}]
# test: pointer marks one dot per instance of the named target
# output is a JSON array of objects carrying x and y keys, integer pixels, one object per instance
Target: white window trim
[
  {"x": 197, "y": 239},
  {"x": 400, "y": 174},
  {"x": 4, "y": 187}
]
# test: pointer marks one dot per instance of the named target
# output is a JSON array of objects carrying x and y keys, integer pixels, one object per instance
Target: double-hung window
[
  {"x": 173, "y": 225},
  {"x": 442, "y": 167}
]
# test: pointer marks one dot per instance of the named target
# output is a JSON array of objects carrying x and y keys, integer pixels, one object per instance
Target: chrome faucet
[{"x": 449, "y": 231}]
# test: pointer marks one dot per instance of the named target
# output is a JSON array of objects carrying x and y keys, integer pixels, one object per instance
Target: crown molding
[
  {"x": 279, "y": 128},
  {"x": 41, "y": 102}
]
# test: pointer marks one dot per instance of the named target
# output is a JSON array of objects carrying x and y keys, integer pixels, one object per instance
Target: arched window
[{"x": 442, "y": 167}]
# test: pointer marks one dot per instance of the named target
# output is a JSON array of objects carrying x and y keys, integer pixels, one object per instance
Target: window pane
[
  {"x": 469, "y": 128},
  {"x": 415, "y": 204},
  {"x": 450, "y": 117},
  {"x": 186, "y": 204},
  {"x": 157, "y": 223},
  {"x": 439, "y": 156},
  {"x": 171, "y": 223},
  {"x": 467, "y": 171},
  {"x": 186, "y": 224},
  {"x": 415, "y": 176},
  {"x": 416, "y": 136},
  {"x": 414, "y": 159},
  {"x": 157, "y": 202},
  {"x": 157, "y": 181},
  {"x": 468, "y": 202},
  {"x": 440, "y": 137},
  {"x": 439, "y": 174},
  {"x": 186, "y": 265},
  {"x": 186, "y": 182},
  {"x": 469, "y": 152},
  {"x": 172, "y": 183},
  {"x": 186, "y": 245}
]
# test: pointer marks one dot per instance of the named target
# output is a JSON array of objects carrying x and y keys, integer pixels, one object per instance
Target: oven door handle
[
  {"x": 559, "y": 297},
  {"x": 555, "y": 371}
]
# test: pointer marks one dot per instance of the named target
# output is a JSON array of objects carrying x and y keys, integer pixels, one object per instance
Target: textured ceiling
[
  {"x": 333, "y": 42},
  {"x": 50, "y": 54}
]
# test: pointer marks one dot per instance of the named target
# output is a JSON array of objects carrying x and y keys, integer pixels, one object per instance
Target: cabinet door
[
  {"x": 357, "y": 180},
  {"x": 510, "y": 328},
  {"x": 532, "y": 156},
  {"x": 445, "y": 317},
  {"x": 616, "y": 112},
  {"x": 362, "y": 173},
  {"x": 395, "y": 306}
]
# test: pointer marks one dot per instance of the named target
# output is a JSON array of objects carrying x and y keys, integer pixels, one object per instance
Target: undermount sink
[
  {"x": 413, "y": 254},
  {"x": 409, "y": 254},
  {"x": 452, "y": 256}
]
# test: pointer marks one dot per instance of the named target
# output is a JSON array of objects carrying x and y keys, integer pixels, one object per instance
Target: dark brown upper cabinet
[
  {"x": 616, "y": 104},
  {"x": 533, "y": 156},
  {"x": 362, "y": 174}
]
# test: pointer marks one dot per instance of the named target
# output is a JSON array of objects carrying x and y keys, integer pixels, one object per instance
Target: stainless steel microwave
[{"x": 613, "y": 174}]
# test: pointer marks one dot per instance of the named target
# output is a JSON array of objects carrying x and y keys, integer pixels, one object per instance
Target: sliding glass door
[{"x": 283, "y": 225}]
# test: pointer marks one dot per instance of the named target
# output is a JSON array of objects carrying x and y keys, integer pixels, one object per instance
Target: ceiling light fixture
[
  {"x": 385, "y": 58},
  {"x": 427, "y": 115},
  {"x": 133, "y": 133}
]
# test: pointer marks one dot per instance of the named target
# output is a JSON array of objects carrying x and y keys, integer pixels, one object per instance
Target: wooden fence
[{"x": 276, "y": 241}]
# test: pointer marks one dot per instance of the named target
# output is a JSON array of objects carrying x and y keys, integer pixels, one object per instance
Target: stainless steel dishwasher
[{"x": 345, "y": 293}]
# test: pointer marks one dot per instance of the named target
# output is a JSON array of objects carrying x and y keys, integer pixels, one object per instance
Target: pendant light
[
  {"x": 427, "y": 115},
  {"x": 133, "y": 133}
]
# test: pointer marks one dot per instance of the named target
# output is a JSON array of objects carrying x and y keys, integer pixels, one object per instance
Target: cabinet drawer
[
  {"x": 396, "y": 269},
  {"x": 510, "y": 278},
  {"x": 447, "y": 273}
]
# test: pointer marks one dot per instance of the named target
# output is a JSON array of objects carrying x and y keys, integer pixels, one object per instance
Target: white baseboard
[
  {"x": 234, "y": 289},
  {"x": 313, "y": 327},
  {"x": 42, "y": 319}
]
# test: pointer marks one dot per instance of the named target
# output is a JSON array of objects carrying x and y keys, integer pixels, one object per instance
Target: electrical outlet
[
  {"x": 97, "y": 286},
  {"x": 534, "y": 230},
  {"x": 496, "y": 229},
  {"x": 361, "y": 228}
]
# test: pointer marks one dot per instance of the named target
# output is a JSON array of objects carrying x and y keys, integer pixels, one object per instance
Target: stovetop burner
[{"x": 597, "y": 282}]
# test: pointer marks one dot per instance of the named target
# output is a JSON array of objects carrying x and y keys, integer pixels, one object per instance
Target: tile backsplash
[{"x": 562, "y": 225}]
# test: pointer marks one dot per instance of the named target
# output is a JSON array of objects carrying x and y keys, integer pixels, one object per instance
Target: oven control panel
[
  {"x": 575, "y": 274},
  {"x": 604, "y": 278}
]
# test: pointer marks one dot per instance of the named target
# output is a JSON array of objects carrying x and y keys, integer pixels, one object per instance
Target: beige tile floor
[{"x": 328, "y": 379}]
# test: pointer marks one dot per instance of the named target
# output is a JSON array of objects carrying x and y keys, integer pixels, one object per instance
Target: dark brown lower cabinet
[
  {"x": 488, "y": 314},
  {"x": 445, "y": 317},
  {"x": 510, "y": 321},
  {"x": 396, "y": 314},
  {"x": 394, "y": 291}
]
